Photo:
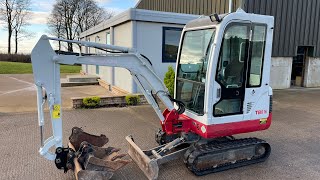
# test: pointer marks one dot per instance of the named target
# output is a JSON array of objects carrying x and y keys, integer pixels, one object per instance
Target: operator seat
[{"x": 233, "y": 73}]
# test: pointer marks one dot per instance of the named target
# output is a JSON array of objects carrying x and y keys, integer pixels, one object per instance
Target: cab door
[
  {"x": 257, "y": 99},
  {"x": 231, "y": 73}
]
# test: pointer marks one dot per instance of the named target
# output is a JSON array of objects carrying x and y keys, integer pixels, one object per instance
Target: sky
[{"x": 40, "y": 12}]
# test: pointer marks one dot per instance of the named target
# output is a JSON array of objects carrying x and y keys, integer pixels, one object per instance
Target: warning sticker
[
  {"x": 56, "y": 111},
  {"x": 263, "y": 120}
]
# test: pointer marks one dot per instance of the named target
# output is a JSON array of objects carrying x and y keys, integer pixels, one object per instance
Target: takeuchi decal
[{"x": 261, "y": 111}]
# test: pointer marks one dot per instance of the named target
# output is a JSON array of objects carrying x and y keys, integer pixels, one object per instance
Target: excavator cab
[{"x": 223, "y": 70}]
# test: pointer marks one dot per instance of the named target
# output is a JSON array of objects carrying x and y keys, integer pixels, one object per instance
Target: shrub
[
  {"x": 132, "y": 100},
  {"x": 91, "y": 102},
  {"x": 169, "y": 80},
  {"x": 24, "y": 58}
]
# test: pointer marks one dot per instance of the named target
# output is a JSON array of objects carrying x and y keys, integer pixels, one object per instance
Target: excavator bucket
[
  {"x": 90, "y": 160},
  {"x": 149, "y": 166}
]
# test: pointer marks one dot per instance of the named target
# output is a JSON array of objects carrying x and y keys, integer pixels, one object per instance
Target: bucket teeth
[
  {"x": 97, "y": 162},
  {"x": 103, "y": 153}
]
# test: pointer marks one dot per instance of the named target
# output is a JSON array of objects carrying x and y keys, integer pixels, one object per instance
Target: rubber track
[{"x": 195, "y": 151}]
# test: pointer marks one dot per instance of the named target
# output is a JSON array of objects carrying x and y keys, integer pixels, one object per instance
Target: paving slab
[
  {"x": 294, "y": 138},
  {"x": 18, "y": 93}
]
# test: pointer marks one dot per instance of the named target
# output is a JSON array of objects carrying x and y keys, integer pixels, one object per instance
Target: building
[
  {"x": 154, "y": 34},
  {"x": 296, "y": 43}
]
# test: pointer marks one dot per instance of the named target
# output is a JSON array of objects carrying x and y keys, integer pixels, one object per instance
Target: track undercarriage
[{"x": 225, "y": 153}]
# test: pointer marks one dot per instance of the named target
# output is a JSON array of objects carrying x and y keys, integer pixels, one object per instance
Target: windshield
[{"x": 192, "y": 68}]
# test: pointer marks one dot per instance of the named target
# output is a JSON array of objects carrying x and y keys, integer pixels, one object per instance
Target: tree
[
  {"x": 71, "y": 17},
  {"x": 7, "y": 15},
  {"x": 20, "y": 21},
  {"x": 55, "y": 23},
  {"x": 169, "y": 80},
  {"x": 14, "y": 13}
]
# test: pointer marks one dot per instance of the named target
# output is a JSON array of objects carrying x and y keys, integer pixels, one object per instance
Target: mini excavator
[{"x": 221, "y": 89}]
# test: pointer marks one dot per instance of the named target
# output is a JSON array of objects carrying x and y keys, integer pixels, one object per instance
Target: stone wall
[{"x": 107, "y": 101}]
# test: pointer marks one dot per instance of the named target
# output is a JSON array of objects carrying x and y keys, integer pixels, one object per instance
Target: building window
[
  {"x": 88, "y": 48},
  {"x": 97, "y": 69},
  {"x": 170, "y": 43},
  {"x": 108, "y": 38},
  {"x": 97, "y": 40}
]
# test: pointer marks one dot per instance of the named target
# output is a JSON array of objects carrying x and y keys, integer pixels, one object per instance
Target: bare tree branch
[
  {"x": 71, "y": 17},
  {"x": 22, "y": 15},
  {"x": 14, "y": 13}
]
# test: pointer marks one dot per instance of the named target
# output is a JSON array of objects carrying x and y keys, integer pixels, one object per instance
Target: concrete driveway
[
  {"x": 294, "y": 137},
  {"x": 18, "y": 93}
]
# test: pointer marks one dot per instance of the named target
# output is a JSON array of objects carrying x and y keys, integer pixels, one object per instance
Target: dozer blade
[{"x": 149, "y": 166}]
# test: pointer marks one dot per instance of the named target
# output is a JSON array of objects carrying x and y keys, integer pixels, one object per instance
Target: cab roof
[{"x": 204, "y": 21}]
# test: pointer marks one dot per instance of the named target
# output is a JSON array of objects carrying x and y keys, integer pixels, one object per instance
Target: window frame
[
  {"x": 250, "y": 55},
  {"x": 178, "y": 65},
  {"x": 108, "y": 32},
  {"x": 222, "y": 86},
  {"x": 97, "y": 39},
  {"x": 219, "y": 63},
  {"x": 164, "y": 29}
]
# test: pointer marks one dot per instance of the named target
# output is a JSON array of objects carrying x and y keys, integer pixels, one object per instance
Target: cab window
[{"x": 192, "y": 68}]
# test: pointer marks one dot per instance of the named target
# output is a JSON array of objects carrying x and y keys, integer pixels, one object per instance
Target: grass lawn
[{"x": 26, "y": 68}]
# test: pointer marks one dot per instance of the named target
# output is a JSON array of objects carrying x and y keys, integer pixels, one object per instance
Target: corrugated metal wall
[
  {"x": 297, "y": 23},
  {"x": 189, "y": 6}
]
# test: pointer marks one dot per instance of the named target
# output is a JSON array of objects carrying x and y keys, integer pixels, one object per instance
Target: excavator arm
[{"x": 46, "y": 69}]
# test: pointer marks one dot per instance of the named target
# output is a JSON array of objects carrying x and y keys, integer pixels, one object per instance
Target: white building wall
[
  {"x": 104, "y": 72},
  {"x": 149, "y": 43},
  {"x": 312, "y": 72},
  {"x": 139, "y": 29},
  {"x": 280, "y": 76},
  {"x": 123, "y": 37}
]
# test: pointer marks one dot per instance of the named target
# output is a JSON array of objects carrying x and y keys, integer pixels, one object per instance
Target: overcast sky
[{"x": 41, "y": 10}]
